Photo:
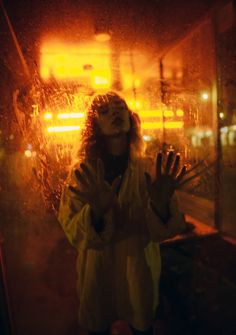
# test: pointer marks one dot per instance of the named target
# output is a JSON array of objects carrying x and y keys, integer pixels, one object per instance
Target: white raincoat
[{"x": 119, "y": 268}]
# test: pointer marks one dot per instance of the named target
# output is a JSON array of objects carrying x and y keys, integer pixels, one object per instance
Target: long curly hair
[{"x": 93, "y": 143}]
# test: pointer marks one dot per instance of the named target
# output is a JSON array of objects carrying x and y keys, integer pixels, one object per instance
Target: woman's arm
[{"x": 83, "y": 213}]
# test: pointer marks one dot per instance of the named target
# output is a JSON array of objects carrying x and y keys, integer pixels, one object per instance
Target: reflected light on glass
[
  {"x": 224, "y": 130},
  {"x": 102, "y": 37},
  {"x": 208, "y": 133},
  {"x": 70, "y": 115},
  {"x": 28, "y": 153},
  {"x": 147, "y": 138},
  {"x": 159, "y": 125},
  {"x": 61, "y": 129},
  {"x": 66, "y": 61},
  {"x": 137, "y": 83},
  {"x": 179, "y": 112},
  {"x": 101, "y": 82},
  {"x": 134, "y": 104},
  {"x": 168, "y": 113},
  {"x": 205, "y": 96},
  {"x": 47, "y": 116}
]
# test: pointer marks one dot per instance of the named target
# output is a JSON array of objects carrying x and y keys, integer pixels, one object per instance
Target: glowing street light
[{"x": 205, "y": 96}]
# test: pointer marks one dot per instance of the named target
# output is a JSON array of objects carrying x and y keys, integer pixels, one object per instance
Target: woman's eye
[{"x": 103, "y": 111}]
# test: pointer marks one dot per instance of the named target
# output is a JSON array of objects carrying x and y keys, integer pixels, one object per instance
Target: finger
[
  {"x": 89, "y": 175},
  {"x": 181, "y": 175},
  {"x": 196, "y": 166},
  {"x": 100, "y": 170},
  {"x": 79, "y": 194},
  {"x": 188, "y": 180},
  {"x": 196, "y": 175},
  {"x": 176, "y": 166},
  {"x": 199, "y": 164},
  {"x": 81, "y": 178},
  {"x": 148, "y": 181},
  {"x": 193, "y": 188},
  {"x": 169, "y": 162},
  {"x": 115, "y": 184},
  {"x": 158, "y": 165}
]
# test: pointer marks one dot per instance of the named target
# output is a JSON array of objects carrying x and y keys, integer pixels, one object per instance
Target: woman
[{"x": 115, "y": 215}]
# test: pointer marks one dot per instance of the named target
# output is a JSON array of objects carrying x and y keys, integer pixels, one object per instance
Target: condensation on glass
[{"x": 177, "y": 94}]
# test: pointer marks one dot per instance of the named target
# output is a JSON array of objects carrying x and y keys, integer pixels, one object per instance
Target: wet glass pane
[
  {"x": 226, "y": 43},
  {"x": 172, "y": 61},
  {"x": 189, "y": 87}
]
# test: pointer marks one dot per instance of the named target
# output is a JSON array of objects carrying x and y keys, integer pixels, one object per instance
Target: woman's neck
[{"x": 117, "y": 145}]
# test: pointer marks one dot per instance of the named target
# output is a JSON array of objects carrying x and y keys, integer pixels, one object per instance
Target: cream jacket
[{"x": 118, "y": 269}]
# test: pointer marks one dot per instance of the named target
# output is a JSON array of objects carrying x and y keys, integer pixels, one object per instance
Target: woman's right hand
[{"x": 94, "y": 189}]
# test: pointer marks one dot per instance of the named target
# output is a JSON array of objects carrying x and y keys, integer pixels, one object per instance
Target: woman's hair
[{"x": 92, "y": 141}]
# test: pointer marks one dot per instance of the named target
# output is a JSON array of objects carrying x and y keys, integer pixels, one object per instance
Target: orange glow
[
  {"x": 103, "y": 37},
  {"x": 28, "y": 153},
  {"x": 127, "y": 80},
  {"x": 47, "y": 116},
  {"x": 61, "y": 129},
  {"x": 150, "y": 113},
  {"x": 70, "y": 115},
  {"x": 155, "y": 113},
  {"x": 158, "y": 125},
  {"x": 180, "y": 112},
  {"x": 137, "y": 83},
  {"x": 168, "y": 113},
  {"x": 65, "y": 61},
  {"x": 205, "y": 96},
  {"x": 145, "y": 125},
  {"x": 99, "y": 82},
  {"x": 134, "y": 104}
]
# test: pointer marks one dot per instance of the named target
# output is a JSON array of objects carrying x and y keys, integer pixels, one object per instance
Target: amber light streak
[
  {"x": 145, "y": 125},
  {"x": 70, "y": 115},
  {"x": 144, "y": 115},
  {"x": 62, "y": 129},
  {"x": 155, "y": 113},
  {"x": 159, "y": 125}
]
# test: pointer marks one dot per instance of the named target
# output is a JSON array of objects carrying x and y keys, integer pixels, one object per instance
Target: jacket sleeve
[{"x": 75, "y": 218}]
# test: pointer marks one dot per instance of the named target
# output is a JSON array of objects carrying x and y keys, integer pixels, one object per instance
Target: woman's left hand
[{"x": 166, "y": 182}]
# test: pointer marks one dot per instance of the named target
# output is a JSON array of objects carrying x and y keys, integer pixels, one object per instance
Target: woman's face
[{"x": 113, "y": 117}]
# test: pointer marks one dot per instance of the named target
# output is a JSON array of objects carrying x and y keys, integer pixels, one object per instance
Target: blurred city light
[{"x": 205, "y": 96}]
